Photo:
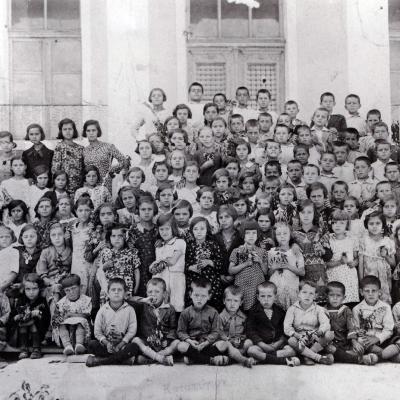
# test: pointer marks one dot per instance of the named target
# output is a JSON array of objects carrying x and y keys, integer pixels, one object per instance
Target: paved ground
[{"x": 75, "y": 381}]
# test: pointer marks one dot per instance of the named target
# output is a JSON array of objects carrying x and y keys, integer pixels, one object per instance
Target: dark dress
[{"x": 37, "y": 158}]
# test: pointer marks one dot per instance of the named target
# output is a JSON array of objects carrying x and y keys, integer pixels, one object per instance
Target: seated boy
[
  {"x": 308, "y": 327},
  {"x": 156, "y": 338},
  {"x": 198, "y": 328},
  {"x": 232, "y": 327},
  {"x": 114, "y": 328},
  {"x": 265, "y": 329},
  {"x": 341, "y": 319},
  {"x": 373, "y": 319}
]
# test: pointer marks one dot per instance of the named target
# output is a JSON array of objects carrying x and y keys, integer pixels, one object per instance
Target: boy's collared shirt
[
  {"x": 378, "y": 168},
  {"x": 344, "y": 172},
  {"x": 232, "y": 326},
  {"x": 328, "y": 179},
  {"x": 356, "y": 121},
  {"x": 376, "y": 320},
  {"x": 363, "y": 190},
  {"x": 286, "y": 153}
]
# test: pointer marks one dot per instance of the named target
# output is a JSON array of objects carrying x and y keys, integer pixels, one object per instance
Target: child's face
[
  {"x": 218, "y": 128},
  {"x": 34, "y": 135},
  {"x": 310, "y": 175},
  {"x": 116, "y": 293},
  {"x": 282, "y": 234},
  {"x": 45, "y": 209},
  {"x": 341, "y": 154},
  {"x": 206, "y": 200},
  {"x": 265, "y": 123},
  {"x": 222, "y": 183},
  {"x": 306, "y": 295},
  {"x": 92, "y": 133},
  {"x": 375, "y": 226},
  {"x": 295, "y": 172},
  {"x": 117, "y": 238},
  {"x": 390, "y": 209},
  {"x": 195, "y": 93},
  {"x": 371, "y": 294},
  {"x": 211, "y": 113},
  {"x": 157, "y": 143},
  {"x": 304, "y": 137},
  {"x": 392, "y": 173},
  {"x": 232, "y": 302},
  {"x": 166, "y": 198},
  {"x": 83, "y": 212},
  {"x": 156, "y": 97},
  {"x": 350, "y": 207},
  {"x": 292, "y": 110},
  {"x": 60, "y": 182},
  {"x": 242, "y": 152},
  {"x": 380, "y": 132},
  {"x": 156, "y": 294},
  {"x": 165, "y": 232},
  {"x": 31, "y": 290},
  {"x": 383, "y": 152},
  {"x": 320, "y": 118},
  {"x": 220, "y": 102},
  {"x": 302, "y": 156},
  {"x": 200, "y": 296},
  {"x": 5, "y": 238},
  {"x": 146, "y": 212},
  {"x": 206, "y": 138},
  {"x": 250, "y": 237},
  {"x": 145, "y": 150},
  {"x": 91, "y": 178},
  {"x": 237, "y": 125},
  {"x": 339, "y": 227},
  {"x": 233, "y": 169},
  {"x": 372, "y": 120},
  {"x": 328, "y": 162},
  {"x": 225, "y": 220},
  {"x": 128, "y": 200},
  {"x": 263, "y": 101},
  {"x": 281, "y": 135},
  {"x": 352, "y": 105},
  {"x": 266, "y": 297},
  {"x": 17, "y": 213},
  {"x": 73, "y": 292},
  {"x": 351, "y": 140},
  {"x": 263, "y": 203},
  {"x": 241, "y": 207},
  {"x": 18, "y": 167},
  {"x": 253, "y": 134},
  {"x": 284, "y": 120},
  {"x": 178, "y": 141},
  {"x": 42, "y": 180},
  {"x": 271, "y": 187},
  {"x": 200, "y": 231},
  {"x": 339, "y": 192},
  {"x": 57, "y": 237},
  {"x": 307, "y": 215},
  {"x": 135, "y": 179},
  {"x": 67, "y": 131},
  {"x": 6, "y": 144},
  {"x": 182, "y": 115},
  {"x": 264, "y": 223},
  {"x": 335, "y": 297},
  {"x": 177, "y": 160},
  {"x": 361, "y": 169},
  {"x": 242, "y": 96},
  {"x": 272, "y": 150},
  {"x": 248, "y": 186},
  {"x": 328, "y": 102},
  {"x": 29, "y": 238},
  {"x": 106, "y": 216},
  {"x": 172, "y": 124},
  {"x": 318, "y": 198},
  {"x": 161, "y": 173},
  {"x": 182, "y": 216},
  {"x": 286, "y": 196},
  {"x": 191, "y": 174},
  {"x": 383, "y": 190}
]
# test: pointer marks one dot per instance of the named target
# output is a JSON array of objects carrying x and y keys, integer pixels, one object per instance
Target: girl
[
  {"x": 219, "y": 127},
  {"x": 221, "y": 180},
  {"x": 248, "y": 184},
  {"x": 170, "y": 260},
  {"x": 286, "y": 264},
  {"x": 242, "y": 152},
  {"x": 183, "y": 113},
  {"x": 339, "y": 190},
  {"x": 61, "y": 183},
  {"x": 377, "y": 253},
  {"x": 127, "y": 196},
  {"x": 263, "y": 200},
  {"x": 286, "y": 209},
  {"x": 142, "y": 236},
  {"x": 54, "y": 265},
  {"x": 70, "y": 322},
  {"x": 210, "y": 112},
  {"x": 343, "y": 265},
  {"x": 145, "y": 151},
  {"x": 9, "y": 259},
  {"x": 389, "y": 210},
  {"x": 38, "y": 189},
  {"x": 165, "y": 197},
  {"x": 98, "y": 193},
  {"x": 161, "y": 171},
  {"x": 64, "y": 212},
  {"x": 68, "y": 155},
  {"x": 203, "y": 258},
  {"x": 30, "y": 317},
  {"x": 19, "y": 215},
  {"x": 183, "y": 212},
  {"x": 7, "y": 146},
  {"x": 80, "y": 233},
  {"x": 177, "y": 162},
  {"x": 44, "y": 212},
  {"x": 352, "y": 207},
  {"x": 314, "y": 246},
  {"x": 242, "y": 206},
  {"x": 118, "y": 260},
  {"x": 159, "y": 147},
  {"x": 248, "y": 264},
  {"x": 205, "y": 198},
  {"x": 38, "y": 155},
  {"x": 178, "y": 140},
  {"x": 170, "y": 124},
  {"x": 396, "y": 272},
  {"x": 265, "y": 220},
  {"x": 233, "y": 167},
  {"x": 135, "y": 178}
]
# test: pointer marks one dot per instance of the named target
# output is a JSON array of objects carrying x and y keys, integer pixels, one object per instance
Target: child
[
  {"x": 177, "y": 162},
  {"x": 156, "y": 339},
  {"x": 336, "y": 122},
  {"x": 301, "y": 154},
  {"x": 344, "y": 170},
  {"x": 311, "y": 174},
  {"x": 159, "y": 147},
  {"x": 352, "y": 207},
  {"x": 70, "y": 321},
  {"x": 127, "y": 196},
  {"x": 319, "y": 128},
  {"x": 285, "y": 265},
  {"x": 373, "y": 319},
  {"x": 9, "y": 258},
  {"x": 265, "y": 122},
  {"x": 249, "y": 183},
  {"x": 377, "y": 253},
  {"x": 98, "y": 193},
  {"x": 343, "y": 265},
  {"x": 114, "y": 328},
  {"x": 263, "y": 99},
  {"x": 382, "y": 148},
  {"x": 198, "y": 328},
  {"x": 161, "y": 171},
  {"x": 68, "y": 155},
  {"x": 178, "y": 140},
  {"x": 352, "y": 104},
  {"x": 206, "y": 198},
  {"x": 19, "y": 214},
  {"x": 170, "y": 260},
  {"x": 292, "y": 110},
  {"x": 64, "y": 212},
  {"x": 248, "y": 263},
  {"x": 233, "y": 167},
  {"x": 38, "y": 154},
  {"x": 264, "y": 329},
  {"x": 380, "y": 131},
  {"x": 242, "y": 206},
  {"x": 221, "y": 180},
  {"x": 295, "y": 178},
  {"x": 165, "y": 196},
  {"x": 286, "y": 211},
  {"x": 308, "y": 328},
  {"x": 281, "y": 135},
  {"x": 242, "y": 152},
  {"x": 327, "y": 176},
  {"x": 265, "y": 220},
  {"x": 61, "y": 183},
  {"x": 363, "y": 188},
  {"x": 252, "y": 133},
  {"x": 183, "y": 212},
  {"x": 38, "y": 189},
  {"x": 184, "y": 114},
  {"x": 31, "y": 316},
  {"x": 210, "y": 112},
  {"x": 339, "y": 191},
  {"x": 5, "y": 311},
  {"x": 318, "y": 194},
  {"x": 352, "y": 138},
  {"x": 219, "y": 127},
  {"x": 304, "y": 137},
  {"x": 389, "y": 211},
  {"x": 7, "y": 146},
  {"x": 191, "y": 174},
  {"x": 136, "y": 178}
]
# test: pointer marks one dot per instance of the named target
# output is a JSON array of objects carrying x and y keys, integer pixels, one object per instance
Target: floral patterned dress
[
  {"x": 210, "y": 250},
  {"x": 43, "y": 230}
]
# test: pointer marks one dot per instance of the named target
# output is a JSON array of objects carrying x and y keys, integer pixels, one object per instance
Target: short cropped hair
[
  {"x": 118, "y": 281},
  {"x": 336, "y": 285},
  {"x": 71, "y": 280},
  {"x": 370, "y": 280},
  {"x": 267, "y": 285},
  {"x": 234, "y": 290},
  {"x": 201, "y": 282},
  {"x": 157, "y": 282}
]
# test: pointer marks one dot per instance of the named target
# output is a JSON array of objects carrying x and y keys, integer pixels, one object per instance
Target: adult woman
[{"x": 101, "y": 154}]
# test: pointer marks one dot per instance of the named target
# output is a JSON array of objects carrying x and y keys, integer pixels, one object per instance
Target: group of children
[{"x": 242, "y": 236}]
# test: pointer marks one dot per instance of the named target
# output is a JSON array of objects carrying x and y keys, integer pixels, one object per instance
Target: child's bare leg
[
  {"x": 287, "y": 351},
  {"x": 183, "y": 347},
  {"x": 323, "y": 342},
  {"x": 234, "y": 353},
  {"x": 256, "y": 352},
  {"x": 171, "y": 349},
  {"x": 306, "y": 352},
  {"x": 149, "y": 352},
  {"x": 246, "y": 345},
  {"x": 80, "y": 339},
  {"x": 66, "y": 340}
]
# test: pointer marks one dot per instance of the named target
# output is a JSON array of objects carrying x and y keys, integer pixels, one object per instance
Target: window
[{"x": 45, "y": 63}]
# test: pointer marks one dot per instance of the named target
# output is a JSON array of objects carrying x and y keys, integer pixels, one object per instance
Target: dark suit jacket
[{"x": 337, "y": 121}]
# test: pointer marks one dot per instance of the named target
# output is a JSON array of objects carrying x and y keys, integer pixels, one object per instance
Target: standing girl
[
  {"x": 61, "y": 183},
  {"x": 38, "y": 189},
  {"x": 135, "y": 177},
  {"x": 183, "y": 212},
  {"x": 265, "y": 220},
  {"x": 127, "y": 197},
  {"x": 177, "y": 161},
  {"x": 68, "y": 155},
  {"x": 170, "y": 260},
  {"x": 64, "y": 212},
  {"x": 352, "y": 207},
  {"x": 286, "y": 209}
]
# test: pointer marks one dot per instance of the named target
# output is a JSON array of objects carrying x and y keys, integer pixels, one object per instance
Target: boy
[
  {"x": 383, "y": 157},
  {"x": 220, "y": 100},
  {"x": 232, "y": 325},
  {"x": 352, "y": 104},
  {"x": 196, "y": 92},
  {"x": 157, "y": 339},
  {"x": 114, "y": 328},
  {"x": 308, "y": 327},
  {"x": 373, "y": 117},
  {"x": 392, "y": 174},
  {"x": 236, "y": 127},
  {"x": 328, "y": 164},
  {"x": 304, "y": 137},
  {"x": 263, "y": 99},
  {"x": 198, "y": 328},
  {"x": 351, "y": 137},
  {"x": 191, "y": 174},
  {"x": 341, "y": 319},
  {"x": 363, "y": 188},
  {"x": 381, "y": 131},
  {"x": 243, "y": 97},
  {"x": 343, "y": 170},
  {"x": 265, "y": 329},
  {"x": 253, "y": 134},
  {"x": 311, "y": 174},
  {"x": 281, "y": 136},
  {"x": 336, "y": 122},
  {"x": 372, "y": 318},
  {"x": 295, "y": 178},
  {"x": 292, "y": 109},
  {"x": 265, "y": 122},
  {"x": 301, "y": 153},
  {"x": 319, "y": 129}
]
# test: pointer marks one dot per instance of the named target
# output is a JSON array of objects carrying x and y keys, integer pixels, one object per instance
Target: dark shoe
[
  {"x": 327, "y": 360},
  {"x": 80, "y": 349},
  {"x": 68, "y": 351},
  {"x": 308, "y": 361},
  {"x": 92, "y": 361},
  {"x": 36, "y": 353},
  {"x": 142, "y": 360}
]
